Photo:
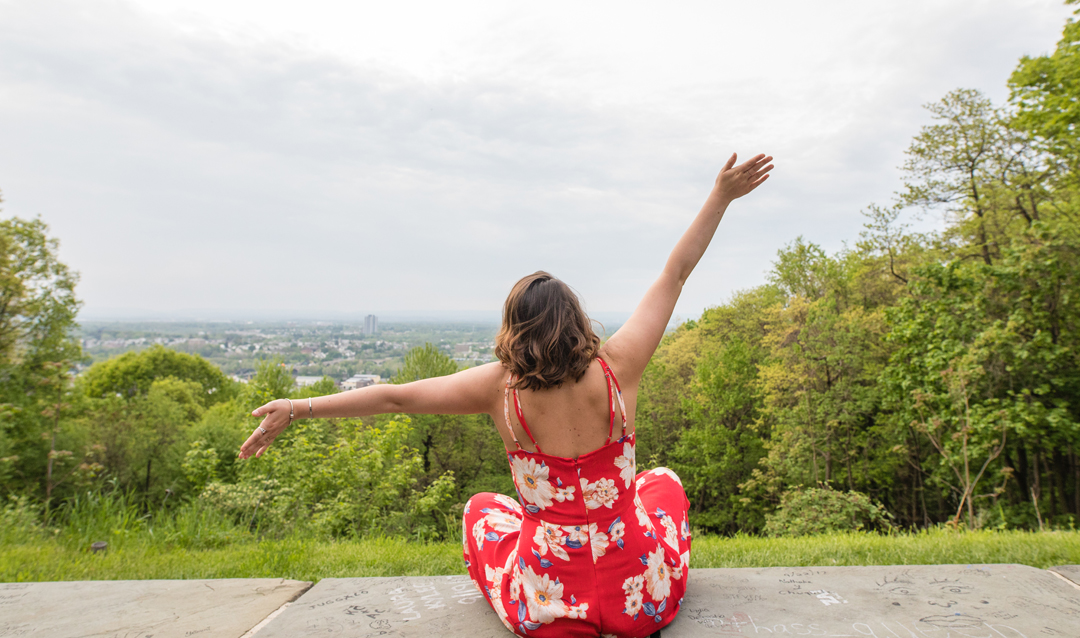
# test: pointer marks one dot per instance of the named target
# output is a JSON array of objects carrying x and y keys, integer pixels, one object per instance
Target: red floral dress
[{"x": 591, "y": 549}]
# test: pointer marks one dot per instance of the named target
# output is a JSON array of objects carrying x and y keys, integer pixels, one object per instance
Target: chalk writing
[
  {"x": 403, "y": 604},
  {"x": 339, "y": 599},
  {"x": 874, "y": 629}
]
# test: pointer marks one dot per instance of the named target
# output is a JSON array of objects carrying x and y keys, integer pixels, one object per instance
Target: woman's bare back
[{"x": 570, "y": 420}]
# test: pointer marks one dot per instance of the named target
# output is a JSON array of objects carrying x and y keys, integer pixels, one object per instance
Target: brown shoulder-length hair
[{"x": 545, "y": 338}]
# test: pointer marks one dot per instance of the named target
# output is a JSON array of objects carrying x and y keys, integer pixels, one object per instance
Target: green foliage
[
  {"x": 19, "y": 520},
  {"x": 37, "y": 296},
  {"x": 804, "y": 512},
  {"x": 200, "y": 465},
  {"x": 338, "y": 479},
  {"x": 272, "y": 380},
  {"x": 37, "y": 315},
  {"x": 465, "y": 446},
  {"x": 133, "y": 373},
  {"x": 425, "y": 362}
]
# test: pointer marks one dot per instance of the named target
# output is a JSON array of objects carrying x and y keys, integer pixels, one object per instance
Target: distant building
[
  {"x": 371, "y": 324},
  {"x": 303, "y": 382},
  {"x": 360, "y": 381}
]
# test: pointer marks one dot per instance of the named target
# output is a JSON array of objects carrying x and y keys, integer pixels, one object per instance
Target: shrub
[
  {"x": 820, "y": 510},
  {"x": 19, "y": 520}
]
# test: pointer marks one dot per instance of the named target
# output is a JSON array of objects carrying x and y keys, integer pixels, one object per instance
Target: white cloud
[{"x": 316, "y": 158}]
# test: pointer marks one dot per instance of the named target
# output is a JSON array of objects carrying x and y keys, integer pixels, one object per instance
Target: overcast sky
[{"x": 239, "y": 159}]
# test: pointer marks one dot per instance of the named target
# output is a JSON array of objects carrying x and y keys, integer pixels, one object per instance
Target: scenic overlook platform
[{"x": 916, "y": 601}]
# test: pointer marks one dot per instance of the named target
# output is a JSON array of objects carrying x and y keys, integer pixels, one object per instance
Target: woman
[{"x": 590, "y": 547}]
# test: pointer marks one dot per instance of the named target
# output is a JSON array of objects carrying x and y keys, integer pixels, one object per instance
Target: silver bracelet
[
  {"x": 290, "y": 410},
  {"x": 310, "y": 413}
]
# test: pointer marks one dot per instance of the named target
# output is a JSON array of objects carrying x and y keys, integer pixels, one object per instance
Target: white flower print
[
  {"x": 543, "y": 596},
  {"x": 532, "y": 482},
  {"x": 616, "y": 531},
  {"x": 663, "y": 471},
  {"x": 657, "y": 575},
  {"x": 671, "y": 536},
  {"x": 550, "y": 537},
  {"x": 627, "y": 463},
  {"x": 507, "y": 502},
  {"x": 577, "y": 534},
  {"x": 501, "y": 521},
  {"x": 577, "y": 611},
  {"x": 515, "y": 577},
  {"x": 500, "y": 609},
  {"x": 633, "y": 585},
  {"x": 633, "y": 604},
  {"x": 478, "y": 533},
  {"x": 599, "y": 542},
  {"x": 642, "y": 515},
  {"x": 685, "y": 530},
  {"x": 564, "y": 493},
  {"x": 602, "y": 493},
  {"x": 494, "y": 590}
]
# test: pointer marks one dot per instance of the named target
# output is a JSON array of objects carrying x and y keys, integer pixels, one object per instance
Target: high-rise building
[{"x": 371, "y": 324}]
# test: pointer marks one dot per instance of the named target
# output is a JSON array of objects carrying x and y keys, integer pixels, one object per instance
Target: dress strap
[
  {"x": 610, "y": 376},
  {"x": 520, "y": 415},
  {"x": 521, "y": 420},
  {"x": 506, "y": 409}
]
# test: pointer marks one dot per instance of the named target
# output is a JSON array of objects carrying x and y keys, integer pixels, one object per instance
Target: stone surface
[
  {"x": 225, "y": 608},
  {"x": 399, "y": 606},
  {"x": 945, "y": 601},
  {"x": 932, "y": 601},
  {"x": 1072, "y": 572}
]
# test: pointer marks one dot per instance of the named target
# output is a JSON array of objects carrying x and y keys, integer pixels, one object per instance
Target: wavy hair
[{"x": 546, "y": 337}]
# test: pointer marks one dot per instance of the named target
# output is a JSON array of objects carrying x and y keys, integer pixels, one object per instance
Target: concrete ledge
[
  {"x": 917, "y": 601},
  {"x": 937, "y": 601},
  {"x": 1068, "y": 572},
  {"x": 399, "y": 606},
  {"x": 225, "y": 608}
]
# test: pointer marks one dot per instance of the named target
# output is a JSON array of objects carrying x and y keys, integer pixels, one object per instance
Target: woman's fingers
[
  {"x": 761, "y": 171},
  {"x": 730, "y": 162},
  {"x": 758, "y": 182},
  {"x": 752, "y": 161}
]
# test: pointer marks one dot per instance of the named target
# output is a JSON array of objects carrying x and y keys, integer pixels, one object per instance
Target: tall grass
[{"x": 192, "y": 540}]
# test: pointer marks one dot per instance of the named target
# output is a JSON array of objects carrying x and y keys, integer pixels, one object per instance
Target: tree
[
  {"x": 1045, "y": 91},
  {"x": 466, "y": 445},
  {"x": 424, "y": 362},
  {"x": 984, "y": 173},
  {"x": 37, "y": 295},
  {"x": 37, "y": 316},
  {"x": 133, "y": 373}
]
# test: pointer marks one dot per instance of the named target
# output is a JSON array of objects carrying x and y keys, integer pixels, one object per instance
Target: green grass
[{"x": 148, "y": 558}]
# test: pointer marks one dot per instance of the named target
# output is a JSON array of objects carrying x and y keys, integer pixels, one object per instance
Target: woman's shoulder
[{"x": 488, "y": 373}]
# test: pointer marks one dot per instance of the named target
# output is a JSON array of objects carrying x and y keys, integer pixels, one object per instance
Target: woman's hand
[
  {"x": 275, "y": 419},
  {"x": 735, "y": 181}
]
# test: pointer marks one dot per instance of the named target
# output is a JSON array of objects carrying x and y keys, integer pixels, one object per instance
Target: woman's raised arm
[
  {"x": 633, "y": 344},
  {"x": 465, "y": 392}
]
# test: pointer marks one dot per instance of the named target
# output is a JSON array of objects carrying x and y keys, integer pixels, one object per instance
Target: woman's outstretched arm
[
  {"x": 466, "y": 392},
  {"x": 634, "y": 343}
]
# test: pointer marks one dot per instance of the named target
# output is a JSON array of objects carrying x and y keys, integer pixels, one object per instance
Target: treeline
[
  {"x": 936, "y": 373},
  {"x": 911, "y": 380}
]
